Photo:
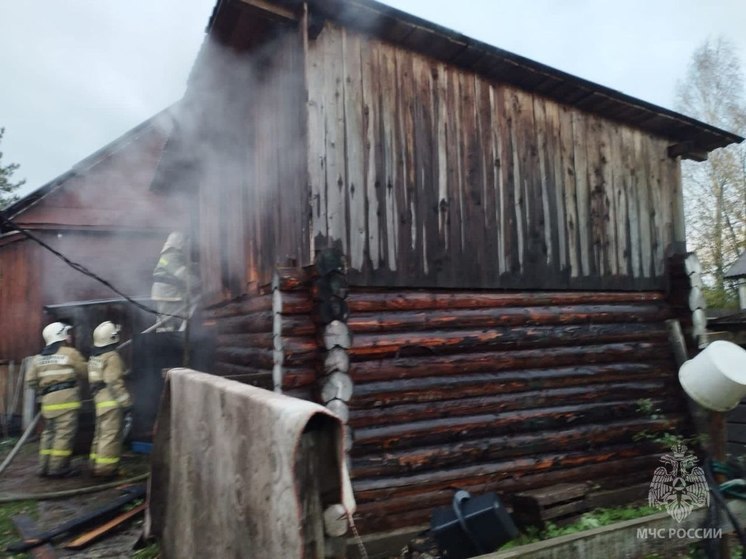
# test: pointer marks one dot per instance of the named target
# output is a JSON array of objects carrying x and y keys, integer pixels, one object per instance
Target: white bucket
[{"x": 716, "y": 377}]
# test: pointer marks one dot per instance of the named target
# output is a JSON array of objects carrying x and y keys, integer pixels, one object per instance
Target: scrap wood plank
[
  {"x": 28, "y": 530},
  {"x": 79, "y": 522},
  {"x": 550, "y": 503},
  {"x": 91, "y": 536}
]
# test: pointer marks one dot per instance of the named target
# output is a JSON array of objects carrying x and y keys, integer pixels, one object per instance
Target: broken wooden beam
[
  {"x": 29, "y": 532},
  {"x": 97, "y": 533},
  {"x": 80, "y": 521}
]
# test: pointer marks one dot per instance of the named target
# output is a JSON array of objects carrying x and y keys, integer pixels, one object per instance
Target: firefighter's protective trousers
[
  {"x": 55, "y": 376},
  {"x": 110, "y": 396}
]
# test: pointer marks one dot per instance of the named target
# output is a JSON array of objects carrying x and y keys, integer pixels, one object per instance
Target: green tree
[
  {"x": 7, "y": 188},
  {"x": 715, "y": 190}
]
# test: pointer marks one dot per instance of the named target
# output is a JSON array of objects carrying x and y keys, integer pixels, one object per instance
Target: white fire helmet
[
  {"x": 106, "y": 333},
  {"x": 56, "y": 332}
]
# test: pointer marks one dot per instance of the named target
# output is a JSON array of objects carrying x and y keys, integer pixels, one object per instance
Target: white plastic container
[{"x": 716, "y": 377}]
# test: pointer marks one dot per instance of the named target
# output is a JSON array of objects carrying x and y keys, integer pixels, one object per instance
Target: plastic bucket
[{"x": 716, "y": 377}]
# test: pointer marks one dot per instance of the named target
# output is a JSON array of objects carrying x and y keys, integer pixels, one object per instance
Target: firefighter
[
  {"x": 55, "y": 374},
  {"x": 112, "y": 400},
  {"x": 172, "y": 281}
]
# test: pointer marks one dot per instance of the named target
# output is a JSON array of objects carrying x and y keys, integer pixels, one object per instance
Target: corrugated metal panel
[{"x": 412, "y": 161}]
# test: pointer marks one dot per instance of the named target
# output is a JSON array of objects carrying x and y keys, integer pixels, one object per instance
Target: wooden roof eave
[{"x": 430, "y": 39}]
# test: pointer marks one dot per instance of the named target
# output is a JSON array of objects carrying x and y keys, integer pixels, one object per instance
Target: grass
[
  {"x": 8, "y": 531},
  {"x": 589, "y": 521},
  {"x": 152, "y": 551}
]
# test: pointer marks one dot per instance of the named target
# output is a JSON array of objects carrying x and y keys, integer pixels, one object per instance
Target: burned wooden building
[
  {"x": 506, "y": 229},
  {"x": 100, "y": 214}
]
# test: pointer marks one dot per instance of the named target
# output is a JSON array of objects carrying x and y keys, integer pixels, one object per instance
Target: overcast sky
[{"x": 76, "y": 74}]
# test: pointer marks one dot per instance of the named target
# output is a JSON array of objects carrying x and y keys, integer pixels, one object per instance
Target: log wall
[
  {"x": 503, "y": 392},
  {"x": 412, "y": 161}
]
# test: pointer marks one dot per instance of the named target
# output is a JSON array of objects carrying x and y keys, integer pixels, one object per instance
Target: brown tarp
[{"x": 224, "y": 474}]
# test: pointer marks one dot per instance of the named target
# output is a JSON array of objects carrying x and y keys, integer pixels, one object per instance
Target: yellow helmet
[
  {"x": 56, "y": 332},
  {"x": 106, "y": 333}
]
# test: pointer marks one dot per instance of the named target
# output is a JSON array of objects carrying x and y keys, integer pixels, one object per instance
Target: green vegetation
[
  {"x": 589, "y": 521},
  {"x": 152, "y": 551},
  {"x": 8, "y": 532}
]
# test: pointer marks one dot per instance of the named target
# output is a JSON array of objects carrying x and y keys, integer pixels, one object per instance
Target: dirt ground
[{"x": 21, "y": 478}]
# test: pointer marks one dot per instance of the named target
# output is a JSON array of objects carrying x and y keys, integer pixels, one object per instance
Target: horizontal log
[
  {"x": 231, "y": 369},
  {"x": 396, "y": 501},
  {"x": 291, "y": 279},
  {"x": 484, "y": 318},
  {"x": 298, "y": 325},
  {"x": 246, "y": 324},
  {"x": 245, "y": 305},
  {"x": 458, "y": 405},
  {"x": 393, "y": 513},
  {"x": 261, "y": 340},
  {"x": 367, "y": 301},
  {"x": 507, "y": 446},
  {"x": 493, "y": 473},
  {"x": 442, "y": 388},
  {"x": 296, "y": 377},
  {"x": 253, "y": 357},
  {"x": 296, "y": 302},
  {"x": 376, "y": 346},
  {"x": 303, "y": 393},
  {"x": 290, "y": 345},
  {"x": 260, "y": 381},
  {"x": 436, "y": 365},
  {"x": 441, "y": 431}
]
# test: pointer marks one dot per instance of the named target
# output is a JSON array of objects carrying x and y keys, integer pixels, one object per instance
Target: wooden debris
[
  {"x": 97, "y": 533},
  {"x": 29, "y": 532},
  {"x": 558, "y": 503},
  {"x": 79, "y": 522}
]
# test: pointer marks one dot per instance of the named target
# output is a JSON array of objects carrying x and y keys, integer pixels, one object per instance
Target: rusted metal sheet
[
  {"x": 501, "y": 392},
  {"x": 437, "y": 158}
]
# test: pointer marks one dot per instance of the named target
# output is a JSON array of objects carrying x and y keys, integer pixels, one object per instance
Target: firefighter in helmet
[
  {"x": 173, "y": 281},
  {"x": 111, "y": 398},
  {"x": 55, "y": 374}
]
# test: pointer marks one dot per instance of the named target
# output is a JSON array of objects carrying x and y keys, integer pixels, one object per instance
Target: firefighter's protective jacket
[
  {"x": 55, "y": 374},
  {"x": 106, "y": 379}
]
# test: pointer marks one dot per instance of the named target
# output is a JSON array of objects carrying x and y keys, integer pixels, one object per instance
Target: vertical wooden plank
[
  {"x": 419, "y": 106},
  {"x": 391, "y": 141},
  {"x": 657, "y": 207},
  {"x": 643, "y": 205},
  {"x": 370, "y": 112},
  {"x": 335, "y": 142},
  {"x": 620, "y": 155},
  {"x": 510, "y": 228},
  {"x": 406, "y": 105},
  {"x": 383, "y": 89},
  {"x": 631, "y": 174},
  {"x": 315, "y": 109},
  {"x": 546, "y": 181},
  {"x": 497, "y": 184},
  {"x": 489, "y": 199},
  {"x": 535, "y": 257},
  {"x": 354, "y": 146},
  {"x": 401, "y": 145},
  {"x": 471, "y": 186},
  {"x": 582, "y": 193},
  {"x": 596, "y": 186},
  {"x": 441, "y": 115},
  {"x": 609, "y": 208},
  {"x": 679, "y": 226},
  {"x": 554, "y": 186},
  {"x": 569, "y": 190},
  {"x": 453, "y": 153}
]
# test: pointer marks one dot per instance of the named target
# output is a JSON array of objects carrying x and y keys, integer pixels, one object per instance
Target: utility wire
[{"x": 80, "y": 268}]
